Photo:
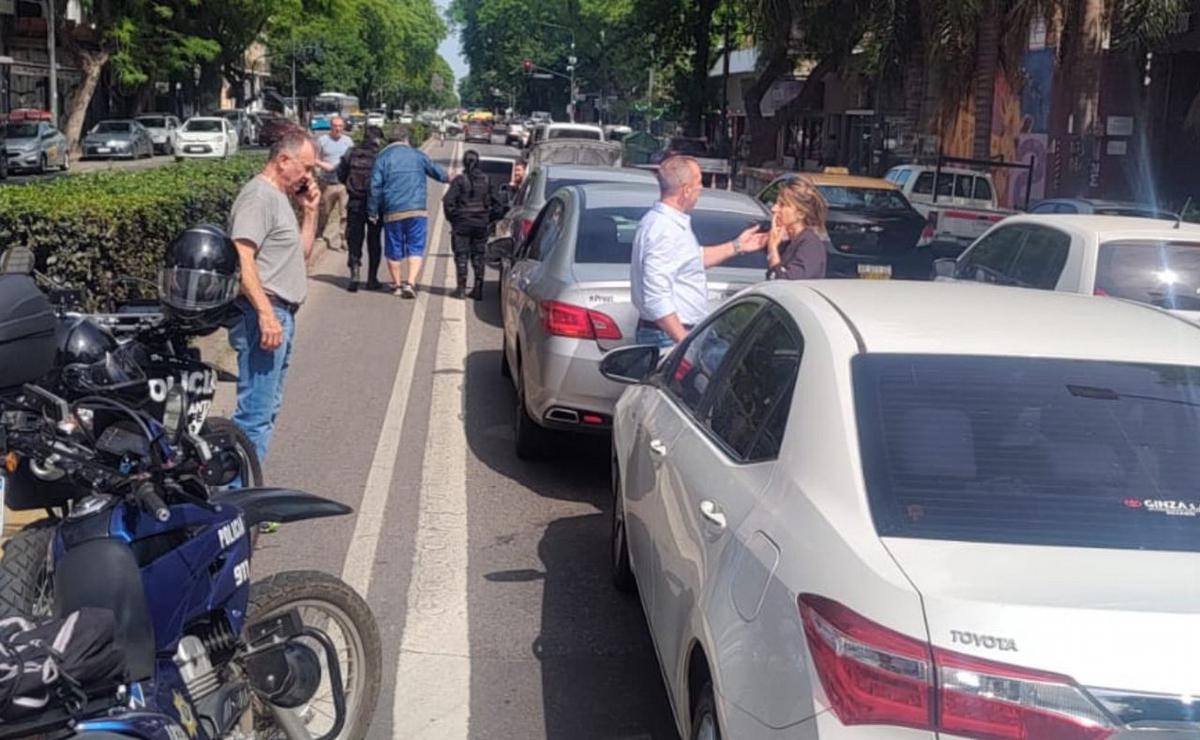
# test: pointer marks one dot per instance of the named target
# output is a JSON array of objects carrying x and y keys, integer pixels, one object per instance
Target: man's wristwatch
[{"x": 737, "y": 245}]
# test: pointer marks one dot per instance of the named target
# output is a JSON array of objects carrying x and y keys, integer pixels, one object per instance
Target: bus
[{"x": 327, "y": 105}]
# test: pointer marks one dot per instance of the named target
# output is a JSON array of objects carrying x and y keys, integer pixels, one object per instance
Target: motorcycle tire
[
  {"x": 26, "y": 587},
  {"x": 309, "y": 589},
  {"x": 251, "y": 472}
]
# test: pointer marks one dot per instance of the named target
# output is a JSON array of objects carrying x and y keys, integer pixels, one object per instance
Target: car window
[
  {"x": 770, "y": 193},
  {"x": 748, "y": 410},
  {"x": 983, "y": 189},
  {"x": 924, "y": 184},
  {"x": 695, "y": 363},
  {"x": 523, "y": 192},
  {"x": 20, "y": 130},
  {"x": 1044, "y": 208},
  {"x": 989, "y": 260},
  {"x": 546, "y": 232},
  {"x": 1031, "y": 451},
  {"x": 901, "y": 177},
  {"x": 863, "y": 199},
  {"x": 963, "y": 186},
  {"x": 153, "y": 122},
  {"x": 1163, "y": 274},
  {"x": 1042, "y": 258},
  {"x": 605, "y": 235},
  {"x": 575, "y": 133}
]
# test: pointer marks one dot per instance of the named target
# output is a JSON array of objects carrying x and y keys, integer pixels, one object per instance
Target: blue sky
[{"x": 450, "y": 49}]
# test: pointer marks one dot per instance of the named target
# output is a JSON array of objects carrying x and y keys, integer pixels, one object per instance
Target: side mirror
[
  {"x": 501, "y": 249},
  {"x": 630, "y": 365},
  {"x": 945, "y": 267}
]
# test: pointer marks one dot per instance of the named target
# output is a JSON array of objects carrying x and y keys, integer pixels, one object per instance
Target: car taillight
[
  {"x": 526, "y": 227},
  {"x": 874, "y": 675},
  {"x": 565, "y": 320},
  {"x": 929, "y": 232}
]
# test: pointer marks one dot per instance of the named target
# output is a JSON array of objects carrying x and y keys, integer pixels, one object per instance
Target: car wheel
[
  {"x": 622, "y": 572},
  {"x": 530, "y": 438},
  {"x": 705, "y": 724},
  {"x": 43, "y": 164},
  {"x": 505, "y": 369},
  {"x": 66, "y": 163}
]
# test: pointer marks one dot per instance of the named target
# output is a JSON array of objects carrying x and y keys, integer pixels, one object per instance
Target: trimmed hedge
[{"x": 89, "y": 230}]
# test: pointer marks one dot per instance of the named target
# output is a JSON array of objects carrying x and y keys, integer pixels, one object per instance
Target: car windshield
[
  {"x": 203, "y": 126},
  {"x": 20, "y": 130},
  {"x": 605, "y": 235},
  {"x": 112, "y": 127},
  {"x": 153, "y": 122},
  {"x": 1163, "y": 274},
  {"x": 863, "y": 199},
  {"x": 573, "y": 133},
  {"x": 1031, "y": 451}
]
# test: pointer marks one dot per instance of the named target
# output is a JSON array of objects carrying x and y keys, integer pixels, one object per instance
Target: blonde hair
[{"x": 802, "y": 194}]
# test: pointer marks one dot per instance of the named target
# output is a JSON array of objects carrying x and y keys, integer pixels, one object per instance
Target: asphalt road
[{"x": 488, "y": 575}]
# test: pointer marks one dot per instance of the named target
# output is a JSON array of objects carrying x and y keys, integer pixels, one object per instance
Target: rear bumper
[
  {"x": 916, "y": 264},
  {"x": 563, "y": 375}
]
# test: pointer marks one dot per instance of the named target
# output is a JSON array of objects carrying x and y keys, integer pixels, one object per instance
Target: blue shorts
[{"x": 405, "y": 238}]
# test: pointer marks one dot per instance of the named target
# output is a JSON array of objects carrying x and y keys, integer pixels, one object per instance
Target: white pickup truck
[{"x": 965, "y": 206}]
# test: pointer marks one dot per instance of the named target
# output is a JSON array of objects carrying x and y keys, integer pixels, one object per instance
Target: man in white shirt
[
  {"x": 330, "y": 149},
  {"x": 670, "y": 288}
]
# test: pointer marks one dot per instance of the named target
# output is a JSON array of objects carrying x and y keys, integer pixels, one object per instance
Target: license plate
[
  {"x": 875, "y": 272},
  {"x": 103, "y": 150},
  {"x": 195, "y": 149}
]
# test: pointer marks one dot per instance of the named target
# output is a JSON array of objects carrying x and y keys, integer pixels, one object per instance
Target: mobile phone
[{"x": 303, "y": 188}]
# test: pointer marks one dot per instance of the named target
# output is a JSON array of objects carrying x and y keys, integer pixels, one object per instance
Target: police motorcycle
[
  {"x": 154, "y": 341},
  {"x": 159, "y": 562}
]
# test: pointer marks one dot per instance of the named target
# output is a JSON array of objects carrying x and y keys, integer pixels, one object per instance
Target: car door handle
[
  {"x": 658, "y": 448},
  {"x": 712, "y": 514}
]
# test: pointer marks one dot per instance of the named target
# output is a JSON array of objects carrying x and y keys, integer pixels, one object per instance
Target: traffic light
[{"x": 528, "y": 65}]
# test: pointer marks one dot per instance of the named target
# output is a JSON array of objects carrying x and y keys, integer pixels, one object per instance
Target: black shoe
[
  {"x": 477, "y": 291},
  {"x": 460, "y": 292},
  {"x": 374, "y": 285},
  {"x": 354, "y": 279}
]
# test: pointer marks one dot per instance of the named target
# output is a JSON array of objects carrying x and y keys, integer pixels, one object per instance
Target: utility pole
[
  {"x": 723, "y": 134},
  {"x": 51, "y": 42},
  {"x": 571, "y": 62}
]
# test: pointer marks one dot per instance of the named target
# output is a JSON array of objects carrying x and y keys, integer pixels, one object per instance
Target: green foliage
[{"x": 89, "y": 230}]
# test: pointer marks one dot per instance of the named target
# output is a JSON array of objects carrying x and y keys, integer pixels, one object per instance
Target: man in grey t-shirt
[{"x": 273, "y": 247}]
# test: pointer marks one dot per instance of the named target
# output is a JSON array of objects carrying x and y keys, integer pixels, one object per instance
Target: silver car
[
  {"x": 565, "y": 300},
  {"x": 164, "y": 131},
  {"x": 35, "y": 145},
  {"x": 121, "y": 138}
]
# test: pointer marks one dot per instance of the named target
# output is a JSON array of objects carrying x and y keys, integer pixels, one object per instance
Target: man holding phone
[
  {"x": 273, "y": 249},
  {"x": 669, "y": 286}
]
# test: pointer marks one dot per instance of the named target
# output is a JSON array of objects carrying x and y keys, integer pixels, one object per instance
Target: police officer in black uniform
[{"x": 469, "y": 205}]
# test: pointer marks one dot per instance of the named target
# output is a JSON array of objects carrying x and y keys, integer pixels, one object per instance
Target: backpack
[{"x": 361, "y": 162}]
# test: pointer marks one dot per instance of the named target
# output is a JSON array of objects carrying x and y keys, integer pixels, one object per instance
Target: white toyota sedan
[
  {"x": 860, "y": 509},
  {"x": 207, "y": 136},
  {"x": 1139, "y": 259}
]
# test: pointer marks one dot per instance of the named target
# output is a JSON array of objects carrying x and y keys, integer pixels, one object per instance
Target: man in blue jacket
[{"x": 398, "y": 198}]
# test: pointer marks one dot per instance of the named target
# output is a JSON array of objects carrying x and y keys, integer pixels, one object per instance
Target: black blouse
[{"x": 803, "y": 258}]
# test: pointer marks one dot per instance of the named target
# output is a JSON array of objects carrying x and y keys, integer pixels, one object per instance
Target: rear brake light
[
  {"x": 929, "y": 232},
  {"x": 565, "y": 320},
  {"x": 526, "y": 227},
  {"x": 874, "y": 675}
]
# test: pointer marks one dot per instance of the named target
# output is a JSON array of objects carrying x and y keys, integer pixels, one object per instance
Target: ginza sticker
[{"x": 1165, "y": 506}]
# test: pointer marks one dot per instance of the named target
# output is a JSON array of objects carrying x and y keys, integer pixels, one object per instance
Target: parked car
[
  {"x": 870, "y": 223},
  {"x": 497, "y": 168},
  {"x": 377, "y": 118},
  {"x": 565, "y": 300},
  {"x": 164, "y": 131},
  {"x": 241, "y": 124},
  {"x": 478, "y": 131},
  {"x": 541, "y": 116},
  {"x": 1102, "y": 208},
  {"x": 1138, "y": 259},
  {"x": 207, "y": 136},
  {"x": 966, "y": 204},
  {"x": 406, "y": 119},
  {"x": 856, "y": 509},
  {"x": 118, "y": 138},
  {"x": 616, "y": 132},
  {"x": 36, "y": 146},
  {"x": 542, "y": 182},
  {"x": 517, "y": 135},
  {"x": 272, "y": 128},
  {"x": 586, "y": 131}
]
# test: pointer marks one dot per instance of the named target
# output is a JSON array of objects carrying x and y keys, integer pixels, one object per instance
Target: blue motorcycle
[{"x": 207, "y": 653}]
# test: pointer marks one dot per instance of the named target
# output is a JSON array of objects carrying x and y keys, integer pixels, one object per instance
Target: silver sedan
[
  {"x": 565, "y": 299},
  {"x": 35, "y": 145},
  {"x": 122, "y": 138}
]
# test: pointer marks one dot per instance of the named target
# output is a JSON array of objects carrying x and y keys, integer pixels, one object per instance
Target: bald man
[{"x": 670, "y": 288}]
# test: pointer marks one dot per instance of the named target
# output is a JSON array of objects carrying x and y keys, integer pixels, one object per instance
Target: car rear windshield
[
  {"x": 606, "y": 234},
  {"x": 863, "y": 199},
  {"x": 1163, "y": 274},
  {"x": 1031, "y": 451},
  {"x": 153, "y": 122},
  {"x": 203, "y": 127},
  {"x": 573, "y": 133},
  {"x": 112, "y": 127},
  {"x": 20, "y": 130},
  {"x": 498, "y": 172}
]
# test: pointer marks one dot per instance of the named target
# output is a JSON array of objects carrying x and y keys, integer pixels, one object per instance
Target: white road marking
[
  {"x": 433, "y": 674},
  {"x": 360, "y": 556}
]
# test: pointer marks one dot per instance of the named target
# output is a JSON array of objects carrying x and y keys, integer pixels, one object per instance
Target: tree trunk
[
  {"x": 987, "y": 55},
  {"x": 91, "y": 64},
  {"x": 697, "y": 97}
]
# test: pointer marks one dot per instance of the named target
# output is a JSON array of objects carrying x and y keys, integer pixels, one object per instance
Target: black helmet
[
  {"x": 199, "y": 278},
  {"x": 90, "y": 361}
]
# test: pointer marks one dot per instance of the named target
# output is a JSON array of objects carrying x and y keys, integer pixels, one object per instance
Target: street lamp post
[
  {"x": 571, "y": 61},
  {"x": 51, "y": 42}
]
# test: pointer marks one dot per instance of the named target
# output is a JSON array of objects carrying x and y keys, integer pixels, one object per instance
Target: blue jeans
[
  {"x": 260, "y": 375},
  {"x": 646, "y": 335}
]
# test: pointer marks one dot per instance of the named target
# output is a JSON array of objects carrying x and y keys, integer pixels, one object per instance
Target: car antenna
[{"x": 1179, "y": 216}]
